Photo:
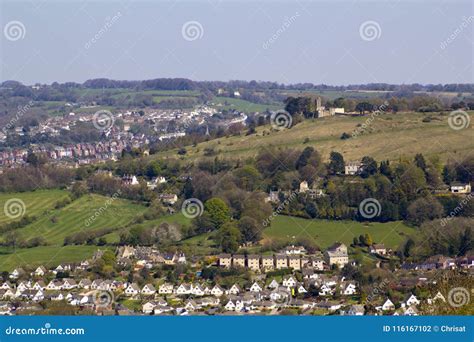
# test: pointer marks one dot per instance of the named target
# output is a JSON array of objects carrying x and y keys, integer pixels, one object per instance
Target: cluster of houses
[{"x": 292, "y": 257}]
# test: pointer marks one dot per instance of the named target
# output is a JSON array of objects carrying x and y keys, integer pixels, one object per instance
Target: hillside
[{"x": 388, "y": 136}]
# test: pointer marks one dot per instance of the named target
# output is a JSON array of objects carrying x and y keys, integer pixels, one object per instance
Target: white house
[
  {"x": 255, "y": 288},
  {"x": 273, "y": 284},
  {"x": 388, "y": 305},
  {"x": 183, "y": 289},
  {"x": 460, "y": 188},
  {"x": 230, "y": 306},
  {"x": 148, "y": 290},
  {"x": 40, "y": 271},
  {"x": 165, "y": 289},
  {"x": 411, "y": 300},
  {"x": 235, "y": 290},
  {"x": 132, "y": 290},
  {"x": 217, "y": 291},
  {"x": 352, "y": 168},
  {"x": 349, "y": 290},
  {"x": 289, "y": 282}
]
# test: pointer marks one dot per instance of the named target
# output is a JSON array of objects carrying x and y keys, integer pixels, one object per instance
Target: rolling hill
[{"x": 387, "y": 136}]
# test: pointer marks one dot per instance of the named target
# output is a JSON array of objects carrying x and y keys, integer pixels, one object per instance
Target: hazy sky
[{"x": 332, "y": 42}]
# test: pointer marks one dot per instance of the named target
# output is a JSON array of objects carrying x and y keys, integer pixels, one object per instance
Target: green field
[
  {"x": 222, "y": 102},
  {"x": 387, "y": 136},
  {"x": 325, "y": 233},
  {"x": 36, "y": 202},
  {"x": 45, "y": 255},
  {"x": 55, "y": 226}
]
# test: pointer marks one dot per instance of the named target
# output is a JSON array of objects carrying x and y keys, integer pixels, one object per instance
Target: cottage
[
  {"x": 230, "y": 306},
  {"x": 410, "y": 300},
  {"x": 289, "y": 281},
  {"x": 378, "y": 248},
  {"x": 235, "y": 289},
  {"x": 132, "y": 290},
  {"x": 183, "y": 289},
  {"x": 148, "y": 290},
  {"x": 352, "y": 168},
  {"x": 197, "y": 290},
  {"x": 255, "y": 287},
  {"x": 17, "y": 273},
  {"x": 85, "y": 284},
  {"x": 40, "y": 271},
  {"x": 388, "y": 305},
  {"x": 68, "y": 284},
  {"x": 349, "y": 290},
  {"x": 217, "y": 291},
  {"x": 273, "y": 284},
  {"x": 461, "y": 188},
  {"x": 165, "y": 289}
]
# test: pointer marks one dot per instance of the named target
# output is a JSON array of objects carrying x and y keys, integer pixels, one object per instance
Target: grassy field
[
  {"x": 36, "y": 202},
  {"x": 222, "y": 102},
  {"x": 44, "y": 255},
  {"x": 325, "y": 233},
  {"x": 55, "y": 226},
  {"x": 387, "y": 136}
]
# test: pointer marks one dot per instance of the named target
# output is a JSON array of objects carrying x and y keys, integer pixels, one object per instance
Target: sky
[{"x": 331, "y": 42}]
